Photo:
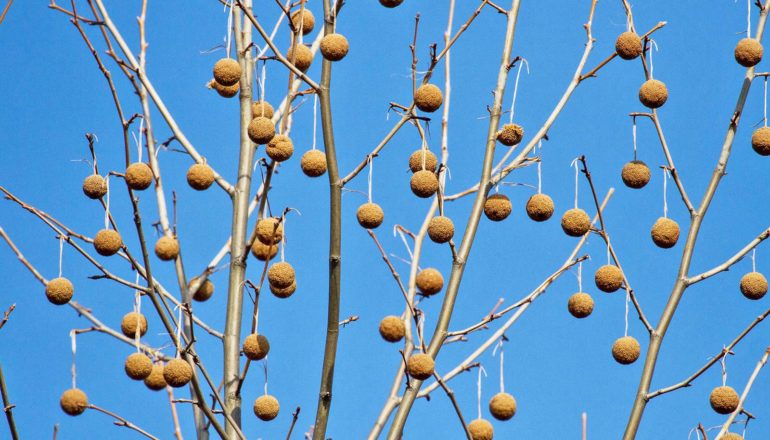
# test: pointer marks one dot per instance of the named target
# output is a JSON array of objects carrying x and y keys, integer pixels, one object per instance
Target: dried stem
[
  {"x": 120, "y": 421},
  {"x": 7, "y": 406}
]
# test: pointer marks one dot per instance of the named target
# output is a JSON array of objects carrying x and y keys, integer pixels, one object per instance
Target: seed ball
[
  {"x": 305, "y": 18},
  {"x": 429, "y": 281},
  {"x": 167, "y": 248},
  {"x": 608, "y": 278},
  {"x": 261, "y": 130},
  {"x": 334, "y": 47},
  {"x": 392, "y": 328},
  {"x": 635, "y": 174},
  {"x": 301, "y": 56},
  {"x": 760, "y": 141},
  {"x": 155, "y": 380},
  {"x": 94, "y": 186},
  {"x": 132, "y": 322},
  {"x": 628, "y": 45},
  {"x": 59, "y": 291},
  {"x": 107, "y": 242},
  {"x": 262, "y": 108},
  {"x": 225, "y": 91},
  {"x": 284, "y": 292},
  {"x": 575, "y": 222},
  {"x": 424, "y": 183},
  {"x": 73, "y": 402},
  {"x": 540, "y": 207},
  {"x": 263, "y": 252},
  {"x": 270, "y": 230},
  {"x": 724, "y": 400},
  {"x": 626, "y": 350},
  {"x": 580, "y": 305},
  {"x": 441, "y": 229},
  {"x": 200, "y": 176},
  {"x": 510, "y": 134},
  {"x": 256, "y": 347},
  {"x": 420, "y": 366},
  {"x": 732, "y": 436},
  {"x": 753, "y": 285},
  {"x": 653, "y": 93},
  {"x": 313, "y": 163},
  {"x": 266, "y": 407},
  {"x": 281, "y": 275},
  {"x": 748, "y": 52},
  {"x": 497, "y": 207},
  {"x": 177, "y": 373},
  {"x": 391, "y": 3},
  {"x": 428, "y": 98},
  {"x": 481, "y": 429},
  {"x": 138, "y": 366},
  {"x": 280, "y": 148},
  {"x": 370, "y": 215},
  {"x": 138, "y": 176},
  {"x": 227, "y": 71},
  {"x": 416, "y": 160},
  {"x": 665, "y": 233},
  {"x": 502, "y": 406},
  {"x": 204, "y": 292}
]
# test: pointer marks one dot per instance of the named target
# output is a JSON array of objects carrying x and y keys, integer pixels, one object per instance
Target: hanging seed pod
[
  {"x": 155, "y": 380},
  {"x": 626, "y": 350},
  {"x": 334, "y": 47},
  {"x": 502, "y": 406},
  {"x": 281, "y": 275},
  {"x": 261, "y": 130},
  {"x": 481, "y": 429},
  {"x": 204, "y": 292},
  {"x": 428, "y": 98},
  {"x": 283, "y": 292},
  {"x": 200, "y": 176},
  {"x": 280, "y": 148},
  {"x": 608, "y": 278},
  {"x": 94, "y": 186},
  {"x": 177, "y": 373},
  {"x": 131, "y": 322},
  {"x": 417, "y": 158},
  {"x": 262, "y": 108},
  {"x": 748, "y": 52},
  {"x": 497, "y": 207},
  {"x": 138, "y": 366},
  {"x": 167, "y": 248},
  {"x": 270, "y": 230},
  {"x": 580, "y": 305},
  {"x": 724, "y": 400},
  {"x": 305, "y": 18},
  {"x": 227, "y": 71},
  {"x": 653, "y": 94},
  {"x": 635, "y": 174},
  {"x": 760, "y": 141},
  {"x": 138, "y": 176},
  {"x": 73, "y": 402},
  {"x": 753, "y": 285},
  {"x": 59, "y": 291},
  {"x": 256, "y": 347},
  {"x": 540, "y": 207},
  {"x": 420, "y": 366},
  {"x": 424, "y": 183},
  {"x": 313, "y": 163},
  {"x": 575, "y": 222},
  {"x": 510, "y": 134},
  {"x": 225, "y": 91},
  {"x": 370, "y": 215},
  {"x": 107, "y": 242},
  {"x": 301, "y": 56},
  {"x": 429, "y": 281},
  {"x": 266, "y": 407},
  {"x": 441, "y": 229},
  {"x": 392, "y": 328},
  {"x": 263, "y": 252},
  {"x": 731, "y": 436},
  {"x": 665, "y": 233},
  {"x": 628, "y": 45}
]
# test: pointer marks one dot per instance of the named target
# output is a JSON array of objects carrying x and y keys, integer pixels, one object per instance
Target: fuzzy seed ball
[
  {"x": 261, "y": 130},
  {"x": 263, "y": 252},
  {"x": 59, "y": 291},
  {"x": 227, "y": 71},
  {"x": 138, "y": 176},
  {"x": 441, "y": 229},
  {"x": 665, "y": 233},
  {"x": 416, "y": 161},
  {"x": 731, "y": 436},
  {"x": 420, "y": 366},
  {"x": 177, "y": 373},
  {"x": 138, "y": 366},
  {"x": 107, "y": 242},
  {"x": 748, "y": 52},
  {"x": 608, "y": 278},
  {"x": 225, "y": 91},
  {"x": 200, "y": 176},
  {"x": 262, "y": 108},
  {"x": 760, "y": 141},
  {"x": 281, "y": 275},
  {"x": 428, "y": 98},
  {"x": 256, "y": 347},
  {"x": 626, "y": 350},
  {"x": 510, "y": 134},
  {"x": 497, "y": 207},
  {"x": 167, "y": 248},
  {"x": 575, "y": 222},
  {"x": 73, "y": 402},
  {"x": 370, "y": 215},
  {"x": 540, "y": 207},
  {"x": 502, "y": 406},
  {"x": 753, "y": 285},
  {"x": 155, "y": 380},
  {"x": 628, "y": 45},
  {"x": 635, "y": 174},
  {"x": 270, "y": 230},
  {"x": 132, "y": 322},
  {"x": 429, "y": 281},
  {"x": 392, "y": 328},
  {"x": 724, "y": 400},
  {"x": 280, "y": 148},
  {"x": 334, "y": 47},
  {"x": 204, "y": 292},
  {"x": 284, "y": 292},
  {"x": 653, "y": 93},
  {"x": 303, "y": 18},
  {"x": 266, "y": 407},
  {"x": 313, "y": 163},
  {"x": 481, "y": 429},
  {"x": 424, "y": 183},
  {"x": 94, "y": 186},
  {"x": 391, "y": 3},
  {"x": 301, "y": 56},
  {"x": 580, "y": 305}
]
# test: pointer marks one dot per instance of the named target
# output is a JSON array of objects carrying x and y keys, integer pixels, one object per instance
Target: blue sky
[{"x": 556, "y": 366}]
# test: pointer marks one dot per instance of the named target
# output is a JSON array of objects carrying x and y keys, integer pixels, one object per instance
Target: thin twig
[{"x": 7, "y": 406}]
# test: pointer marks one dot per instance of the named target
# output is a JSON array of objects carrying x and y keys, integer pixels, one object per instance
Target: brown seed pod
[
  {"x": 155, "y": 380},
  {"x": 261, "y": 130},
  {"x": 653, "y": 93},
  {"x": 575, "y": 222},
  {"x": 281, "y": 275},
  {"x": 74, "y": 402},
  {"x": 540, "y": 207},
  {"x": 200, "y": 176},
  {"x": 628, "y": 45},
  {"x": 502, "y": 406},
  {"x": 497, "y": 207},
  {"x": 724, "y": 400},
  {"x": 177, "y": 373},
  {"x": 441, "y": 229},
  {"x": 59, "y": 291},
  {"x": 313, "y": 163},
  {"x": 138, "y": 176},
  {"x": 270, "y": 230},
  {"x": 416, "y": 160},
  {"x": 760, "y": 141},
  {"x": 283, "y": 292},
  {"x": 303, "y": 18},
  {"x": 225, "y": 91},
  {"x": 635, "y": 174},
  {"x": 132, "y": 322},
  {"x": 428, "y": 98},
  {"x": 280, "y": 148},
  {"x": 580, "y": 305},
  {"x": 266, "y": 407},
  {"x": 227, "y": 71},
  {"x": 731, "y": 436},
  {"x": 256, "y": 347},
  {"x": 301, "y": 56},
  {"x": 138, "y": 366},
  {"x": 392, "y": 328},
  {"x": 370, "y": 215},
  {"x": 753, "y": 285},
  {"x": 262, "y": 251},
  {"x": 167, "y": 248},
  {"x": 205, "y": 290},
  {"x": 420, "y": 366},
  {"x": 748, "y": 52},
  {"x": 424, "y": 183},
  {"x": 608, "y": 278},
  {"x": 262, "y": 108},
  {"x": 665, "y": 233},
  {"x": 94, "y": 186},
  {"x": 107, "y": 242},
  {"x": 510, "y": 134},
  {"x": 391, "y": 3},
  {"x": 429, "y": 281},
  {"x": 334, "y": 47},
  {"x": 481, "y": 429},
  {"x": 626, "y": 350}
]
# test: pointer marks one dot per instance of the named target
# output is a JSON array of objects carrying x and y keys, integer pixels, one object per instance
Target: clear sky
[{"x": 556, "y": 366}]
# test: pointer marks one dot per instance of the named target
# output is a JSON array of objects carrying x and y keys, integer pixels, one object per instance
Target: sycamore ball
[
  {"x": 420, "y": 366},
  {"x": 428, "y": 98},
  {"x": 753, "y": 285},
  {"x": 628, "y": 45},
  {"x": 540, "y": 207},
  {"x": 510, "y": 134},
  {"x": 59, "y": 291},
  {"x": 262, "y": 108},
  {"x": 167, "y": 248},
  {"x": 283, "y": 292},
  {"x": 635, "y": 174},
  {"x": 424, "y": 183},
  {"x": 724, "y": 400},
  {"x": 227, "y": 71},
  {"x": 575, "y": 222},
  {"x": 261, "y": 130},
  {"x": 313, "y": 163},
  {"x": 748, "y": 52},
  {"x": 608, "y": 278},
  {"x": 653, "y": 94},
  {"x": 270, "y": 230},
  {"x": 205, "y": 290},
  {"x": 280, "y": 148},
  {"x": 334, "y": 47},
  {"x": 155, "y": 380},
  {"x": 256, "y": 347},
  {"x": 177, "y": 373},
  {"x": 481, "y": 429},
  {"x": 580, "y": 305},
  {"x": 94, "y": 186},
  {"x": 200, "y": 176},
  {"x": 225, "y": 91},
  {"x": 441, "y": 229},
  {"x": 423, "y": 159},
  {"x": 138, "y": 176},
  {"x": 760, "y": 141},
  {"x": 266, "y": 407},
  {"x": 665, "y": 233},
  {"x": 138, "y": 366},
  {"x": 301, "y": 56},
  {"x": 263, "y": 252},
  {"x": 303, "y": 18},
  {"x": 370, "y": 215},
  {"x": 502, "y": 406},
  {"x": 281, "y": 274},
  {"x": 429, "y": 281},
  {"x": 626, "y": 350},
  {"x": 133, "y": 322},
  {"x": 107, "y": 242},
  {"x": 497, "y": 207},
  {"x": 392, "y": 328},
  {"x": 73, "y": 402}
]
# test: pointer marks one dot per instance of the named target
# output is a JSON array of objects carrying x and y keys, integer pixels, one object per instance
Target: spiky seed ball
[
  {"x": 626, "y": 350},
  {"x": 60, "y": 290},
  {"x": 313, "y": 163},
  {"x": 301, "y": 56},
  {"x": 167, "y": 248},
  {"x": 204, "y": 292},
  {"x": 73, "y": 402},
  {"x": 502, "y": 406},
  {"x": 635, "y": 174},
  {"x": 628, "y": 45},
  {"x": 155, "y": 380},
  {"x": 753, "y": 285},
  {"x": 441, "y": 229},
  {"x": 760, "y": 141},
  {"x": 575, "y": 222},
  {"x": 540, "y": 207},
  {"x": 665, "y": 233},
  {"x": 138, "y": 176},
  {"x": 510, "y": 134},
  {"x": 392, "y": 328},
  {"x": 334, "y": 47},
  {"x": 732, "y": 436},
  {"x": 428, "y": 98},
  {"x": 177, "y": 373},
  {"x": 608, "y": 278},
  {"x": 261, "y": 130},
  {"x": 107, "y": 242},
  {"x": 280, "y": 148},
  {"x": 497, "y": 207},
  {"x": 724, "y": 400},
  {"x": 429, "y": 281},
  {"x": 256, "y": 347},
  {"x": 227, "y": 71},
  {"x": 225, "y": 91},
  {"x": 200, "y": 176},
  {"x": 266, "y": 407},
  {"x": 138, "y": 366},
  {"x": 391, "y": 3},
  {"x": 284, "y": 292},
  {"x": 305, "y": 19},
  {"x": 131, "y": 322},
  {"x": 420, "y": 366},
  {"x": 748, "y": 52},
  {"x": 416, "y": 160},
  {"x": 370, "y": 215},
  {"x": 281, "y": 274},
  {"x": 270, "y": 230},
  {"x": 262, "y": 251},
  {"x": 262, "y": 108},
  {"x": 94, "y": 186},
  {"x": 481, "y": 429},
  {"x": 653, "y": 93},
  {"x": 424, "y": 183},
  {"x": 580, "y": 305}
]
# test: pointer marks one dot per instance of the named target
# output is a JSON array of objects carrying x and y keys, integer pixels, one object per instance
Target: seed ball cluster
[
  {"x": 138, "y": 176},
  {"x": 392, "y": 328},
  {"x": 497, "y": 207},
  {"x": 263, "y": 252},
  {"x": 417, "y": 158},
  {"x": 580, "y": 305},
  {"x": 73, "y": 402},
  {"x": 665, "y": 233},
  {"x": 266, "y": 407},
  {"x": 424, "y": 183},
  {"x": 334, "y": 47},
  {"x": 281, "y": 275},
  {"x": 748, "y": 52},
  {"x": 653, "y": 93},
  {"x": 510, "y": 134},
  {"x": 635, "y": 174},
  {"x": 540, "y": 207},
  {"x": 256, "y": 347},
  {"x": 155, "y": 380},
  {"x": 59, "y": 291},
  {"x": 107, "y": 242},
  {"x": 280, "y": 148},
  {"x": 724, "y": 400},
  {"x": 420, "y": 366},
  {"x": 753, "y": 285},
  {"x": 94, "y": 186},
  {"x": 502, "y": 406},
  {"x": 225, "y": 91},
  {"x": 608, "y": 278},
  {"x": 441, "y": 229},
  {"x": 391, "y": 3},
  {"x": 138, "y": 366},
  {"x": 132, "y": 322},
  {"x": 270, "y": 230},
  {"x": 760, "y": 141},
  {"x": 628, "y": 45},
  {"x": 313, "y": 163},
  {"x": 305, "y": 19},
  {"x": 481, "y": 429},
  {"x": 261, "y": 130},
  {"x": 429, "y": 281},
  {"x": 575, "y": 222},
  {"x": 301, "y": 56},
  {"x": 626, "y": 350},
  {"x": 167, "y": 248},
  {"x": 200, "y": 176},
  {"x": 177, "y": 373},
  {"x": 428, "y": 98},
  {"x": 262, "y": 108},
  {"x": 370, "y": 215},
  {"x": 227, "y": 71},
  {"x": 284, "y": 292},
  {"x": 204, "y": 292}
]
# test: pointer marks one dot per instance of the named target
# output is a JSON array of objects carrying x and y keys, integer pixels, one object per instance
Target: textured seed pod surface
[
  {"x": 429, "y": 281},
  {"x": 626, "y": 350},
  {"x": 73, "y": 402},
  {"x": 424, "y": 183},
  {"x": 575, "y": 222},
  {"x": 281, "y": 274},
  {"x": 392, "y": 328},
  {"x": 423, "y": 159},
  {"x": 204, "y": 292},
  {"x": 628, "y": 45},
  {"x": 608, "y": 278},
  {"x": 665, "y": 233},
  {"x": 138, "y": 366},
  {"x": 653, "y": 93},
  {"x": 760, "y": 141},
  {"x": 334, "y": 47},
  {"x": 177, "y": 373},
  {"x": 635, "y": 174},
  {"x": 580, "y": 305},
  {"x": 502, "y": 406},
  {"x": 59, "y": 291},
  {"x": 301, "y": 56},
  {"x": 280, "y": 148},
  {"x": 370, "y": 215},
  {"x": 313, "y": 163},
  {"x": 428, "y": 98},
  {"x": 270, "y": 230},
  {"x": 261, "y": 130},
  {"x": 262, "y": 108},
  {"x": 227, "y": 71},
  {"x": 132, "y": 322},
  {"x": 266, "y": 407},
  {"x": 304, "y": 19},
  {"x": 497, "y": 207},
  {"x": 481, "y": 429},
  {"x": 510, "y": 134},
  {"x": 200, "y": 176},
  {"x": 256, "y": 347},
  {"x": 107, "y": 242},
  {"x": 441, "y": 229},
  {"x": 540, "y": 207},
  {"x": 155, "y": 380},
  {"x": 753, "y": 285},
  {"x": 420, "y": 366},
  {"x": 748, "y": 52},
  {"x": 167, "y": 248},
  {"x": 262, "y": 251},
  {"x": 283, "y": 292},
  {"x": 94, "y": 186},
  {"x": 138, "y": 176},
  {"x": 724, "y": 400},
  {"x": 225, "y": 91}
]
